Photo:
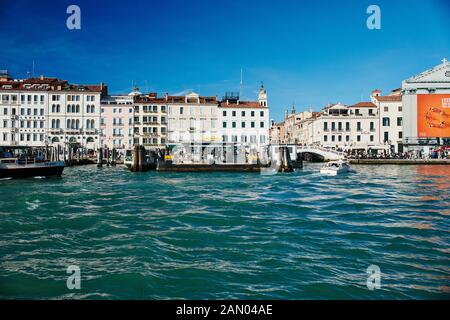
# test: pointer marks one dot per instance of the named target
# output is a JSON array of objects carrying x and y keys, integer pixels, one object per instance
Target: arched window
[
  {"x": 88, "y": 108},
  {"x": 78, "y": 108},
  {"x": 90, "y": 139},
  {"x": 57, "y": 123},
  {"x": 78, "y": 124},
  {"x": 53, "y": 108},
  {"x": 92, "y": 109},
  {"x": 55, "y": 139},
  {"x": 69, "y": 108},
  {"x": 72, "y": 140},
  {"x": 53, "y": 123},
  {"x": 92, "y": 124},
  {"x": 58, "y": 109},
  {"x": 68, "y": 124}
]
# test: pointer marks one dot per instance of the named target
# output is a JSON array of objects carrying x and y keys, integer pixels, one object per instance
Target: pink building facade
[{"x": 116, "y": 123}]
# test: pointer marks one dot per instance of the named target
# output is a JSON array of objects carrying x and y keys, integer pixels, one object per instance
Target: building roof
[
  {"x": 241, "y": 104},
  {"x": 364, "y": 105},
  {"x": 49, "y": 84},
  {"x": 391, "y": 98},
  {"x": 188, "y": 99}
]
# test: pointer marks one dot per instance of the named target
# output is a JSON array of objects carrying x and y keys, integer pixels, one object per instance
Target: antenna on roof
[
  {"x": 146, "y": 87},
  {"x": 241, "y": 85},
  {"x": 33, "y": 70}
]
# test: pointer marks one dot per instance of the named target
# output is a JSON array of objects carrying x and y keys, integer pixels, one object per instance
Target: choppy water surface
[{"x": 227, "y": 235}]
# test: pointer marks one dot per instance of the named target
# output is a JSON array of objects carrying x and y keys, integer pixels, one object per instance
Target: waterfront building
[
  {"x": 290, "y": 121},
  {"x": 295, "y": 126},
  {"x": 116, "y": 123},
  {"x": 303, "y": 127},
  {"x": 49, "y": 111},
  {"x": 193, "y": 119},
  {"x": 277, "y": 133},
  {"x": 245, "y": 122},
  {"x": 150, "y": 121},
  {"x": 390, "y": 119},
  {"x": 352, "y": 128},
  {"x": 426, "y": 109}
]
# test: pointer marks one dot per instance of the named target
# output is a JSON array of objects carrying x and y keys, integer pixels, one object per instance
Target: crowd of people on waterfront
[{"x": 444, "y": 154}]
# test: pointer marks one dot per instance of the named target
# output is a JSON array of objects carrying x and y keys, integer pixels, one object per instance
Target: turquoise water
[{"x": 227, "y": 235}]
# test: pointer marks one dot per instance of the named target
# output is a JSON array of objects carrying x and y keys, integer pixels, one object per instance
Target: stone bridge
[{"x": 326, "y": 154}]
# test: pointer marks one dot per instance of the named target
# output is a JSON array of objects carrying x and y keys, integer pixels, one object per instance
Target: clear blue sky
[{"x": 307, "y": 52}]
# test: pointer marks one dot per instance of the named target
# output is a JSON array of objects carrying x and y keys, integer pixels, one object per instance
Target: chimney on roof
[{"x": 41, "y": 77}]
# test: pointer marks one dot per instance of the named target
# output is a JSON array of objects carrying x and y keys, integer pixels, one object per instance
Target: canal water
[{"x": 228, "y": 235}]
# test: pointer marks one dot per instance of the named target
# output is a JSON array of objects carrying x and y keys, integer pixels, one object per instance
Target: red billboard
[{"x": 433, "y": 115}]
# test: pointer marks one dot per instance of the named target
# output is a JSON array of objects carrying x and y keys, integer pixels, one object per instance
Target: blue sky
[{"x": 307, "y": 52}]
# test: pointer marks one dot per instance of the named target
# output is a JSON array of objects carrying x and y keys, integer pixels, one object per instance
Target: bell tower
[{"x": 262, "y": 96}]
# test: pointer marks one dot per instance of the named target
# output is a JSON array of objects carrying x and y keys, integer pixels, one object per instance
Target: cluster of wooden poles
[{"x": 110, "y": 155}]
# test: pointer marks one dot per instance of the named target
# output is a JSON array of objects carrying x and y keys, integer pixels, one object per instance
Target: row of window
[
  {"x": 150, "y": 108},
  {"x": 117, "y": 110},
  {"x": 339, "y": 125},
  {"x": 347, "y": 138},
  {"x": 35, "y": 99},
  {"x": 117, "y": 142},
  {"x": 150, "y": 130},
  {"x": 75, "y": 124},
  {"x": 193, "y": 123},
  {"x": 31, "y": 112},
  {"x": 192, "y": 110},
  {"x": 56, "y": 97},
  {"x": 149, "y": 141},
  {"x": 244, "y": 139},
  {"x": 387, "y": 122},
  {"x": 243, "y": 113},
  {"x": 358, "y": 137},
  {"x": 146, "y": 119},
  {"x": 26, "y": 137},
  {"x": 243, "y": 124},
  {"x": 25, "y": 124}
]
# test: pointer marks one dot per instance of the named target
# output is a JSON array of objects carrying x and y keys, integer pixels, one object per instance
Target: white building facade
[
  {"x": 391, "y": 119},
  {"x": 352, "y": 128},
  {"x": 245, "y": 122},
  {"x": 47, "y": 111},
  {"x": 426, "y": 109},
  {"x": 192, "y": 119}
]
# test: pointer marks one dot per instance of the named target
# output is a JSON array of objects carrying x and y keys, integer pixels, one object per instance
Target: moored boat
[{"x": 22, "y": 162}]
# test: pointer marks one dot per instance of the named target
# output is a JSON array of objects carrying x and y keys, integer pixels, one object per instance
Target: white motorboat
[{"x": 334, "y": 168}]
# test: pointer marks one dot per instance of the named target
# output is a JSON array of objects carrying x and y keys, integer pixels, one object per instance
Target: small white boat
[{"x": 333, "y": 168}]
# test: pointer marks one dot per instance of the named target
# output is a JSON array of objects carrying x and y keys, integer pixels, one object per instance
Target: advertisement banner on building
[{"x": 433, "y": 115}]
